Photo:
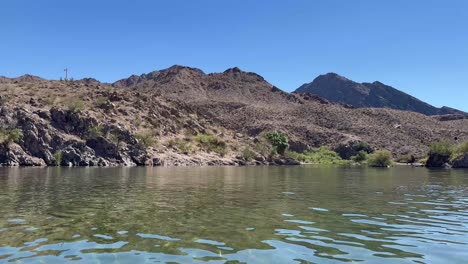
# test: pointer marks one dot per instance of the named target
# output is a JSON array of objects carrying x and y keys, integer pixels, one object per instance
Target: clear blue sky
[{"x": 420, "y": 47}]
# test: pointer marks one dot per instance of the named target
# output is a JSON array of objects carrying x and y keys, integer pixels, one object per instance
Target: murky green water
[{"x": 233, "y": 215}]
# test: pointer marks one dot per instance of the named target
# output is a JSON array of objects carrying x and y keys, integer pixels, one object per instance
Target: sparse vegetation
[
  {"x": 11, "y": 135},
  {"x": 461, "y": 150},
  {"x": 406, "y": 159},
  {"x": 380, "y": 158},
  {"x": 184, "y": 146},
  {"x": 264, "y": 148},
  {"x": 76, "y": 105},
  {"x": 58, "y": 158},
  {"x": 95, "y": 132},
  {"x": 145, "y": 139},
  {"x": 100, "y": 102},
  {"x": 248, "y": 154},
  {"x": 212, "y": 143},
  {"x": 442, "y": 148},
  {"x": 278, "y": 140},
  {"x": 348, "y": 150},
  {"x": 361, "y": 156},
  {"x": 440, "y": 154},
  {"x": 321, "y": 155}
]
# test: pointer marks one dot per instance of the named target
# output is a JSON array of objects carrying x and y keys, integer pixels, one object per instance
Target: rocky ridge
[
  {"x": 339, "y": 89},
  {"x": 88, "y": 123}
]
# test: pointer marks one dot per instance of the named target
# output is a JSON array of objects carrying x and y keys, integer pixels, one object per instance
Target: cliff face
[
  {"x": 339, "y": 89},
  {"x": 154, "y": 118}
]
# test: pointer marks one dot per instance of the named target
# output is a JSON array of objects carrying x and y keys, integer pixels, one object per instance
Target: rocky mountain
[
  {"x": 155, "y": 118},
  {"x": 339, "y": 89}
]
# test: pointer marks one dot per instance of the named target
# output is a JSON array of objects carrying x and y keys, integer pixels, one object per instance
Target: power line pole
[{"x": 66, "y": 74}]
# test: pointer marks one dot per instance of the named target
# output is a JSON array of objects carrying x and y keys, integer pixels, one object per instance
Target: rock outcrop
[{"x": 460, "y": 162}]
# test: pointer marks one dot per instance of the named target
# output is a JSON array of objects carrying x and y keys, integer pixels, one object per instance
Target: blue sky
[{"x": 420, "y": 47}]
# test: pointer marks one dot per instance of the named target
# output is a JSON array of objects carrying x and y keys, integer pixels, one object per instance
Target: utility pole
[{"x": 66, "y": 73}]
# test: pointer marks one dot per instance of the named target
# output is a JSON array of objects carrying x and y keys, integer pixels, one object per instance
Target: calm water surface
[{"x": 233, "y": 215}]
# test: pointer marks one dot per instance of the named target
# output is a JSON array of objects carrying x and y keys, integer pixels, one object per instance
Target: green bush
[
  {"x": 101, "y": 102},
  {"x": 380, "y": 158},
  {"x": 350, "y": 149},
  {"x": 325, "y": 155},
  {"x": 460, "y": 150},
  {"x": 442, "y": 148},
  {"x": 423, "y": 160},
  {"x": 406, "y": 159},
  {"x": 322, "y": 155},
  {"x": 278, "y": 140},
  {"x": 76, "y": 105},
  {"x": 212, "y": 143},
  {"x": 296, "y": 156},
  {"x": 360, "y": 156},
  {"x": 248, "y": 154},
  {"x": 183, "y": 145},
  {"x": 58, "y": 158},
  {"x": 11, "y": 135},
  {"x": 95, "y": 132},
  {"x": 146, "y": 140}
]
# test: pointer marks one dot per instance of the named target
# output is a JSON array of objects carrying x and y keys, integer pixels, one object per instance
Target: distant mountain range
[{"x": 336, "y": 88}]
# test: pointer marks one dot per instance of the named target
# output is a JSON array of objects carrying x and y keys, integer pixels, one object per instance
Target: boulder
[
  {"x": 461, "y": 161},
  {"x": 437, "y": 161},
  {"x": 78, "y": 154},
  {"x": 14, "y": 155}
]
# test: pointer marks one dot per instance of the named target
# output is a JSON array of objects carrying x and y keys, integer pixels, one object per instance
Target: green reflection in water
[{"x": 228, "y": 214}]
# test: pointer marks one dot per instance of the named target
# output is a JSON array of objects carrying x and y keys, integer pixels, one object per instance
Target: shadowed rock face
[{"x": 336, "y": 88}]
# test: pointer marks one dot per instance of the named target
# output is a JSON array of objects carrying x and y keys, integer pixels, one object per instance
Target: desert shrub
[
  {"x": 101, "y": 102},
  {"x": 95, "y": 132},
  {"x": 58, "y": 158},
  {"x": 380, "y": 158},
  {"x": 248, "y": 154},
  {"x": 440, "y": 153},
  {"x": 423, "y": 160},
  {"x": 145, "y": 139},
  {"x": 182, "y": 145},
  {"x": 3, "y": 100},
  {"x": 11, "y": 135},
  {"x": 296, "y": 156},
  {"x": 278, "y": 140},
  {"x": 212, "y": 143},
  {"x": 76, "y": 105},
  {"x": 50, "y": 100},
  {"x": 442, "y": 148},
  {"x": 360, "y": 156},
  {"x": 460, "y": 151},
  {"x": 322, "y": 155},
  {"x": 264, "y": 148},
  {"x": 348, "y": 150},
  {"x": 405, "y": 159}
]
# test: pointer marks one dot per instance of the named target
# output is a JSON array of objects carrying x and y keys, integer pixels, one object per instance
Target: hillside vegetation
[{"x": 182, "y": 116}]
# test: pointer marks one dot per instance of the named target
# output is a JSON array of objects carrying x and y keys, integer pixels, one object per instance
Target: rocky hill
[
  {"x": 339, "y": 89},
  {"x": 157, "y": 118}
]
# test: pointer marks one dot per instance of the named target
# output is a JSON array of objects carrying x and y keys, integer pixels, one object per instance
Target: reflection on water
[{"x": 234, "y": 215}]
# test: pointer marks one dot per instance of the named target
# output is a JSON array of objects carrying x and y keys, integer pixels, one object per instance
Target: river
[{"x": 302, "y": 214}]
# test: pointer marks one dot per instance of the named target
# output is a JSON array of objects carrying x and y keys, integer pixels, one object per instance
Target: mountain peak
[
  {"x": 332, "y": 75},
  {"x": 336, "y": 88},
  {"x": 28, "y": 78},
  {"x": 180, "y": 68}
]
